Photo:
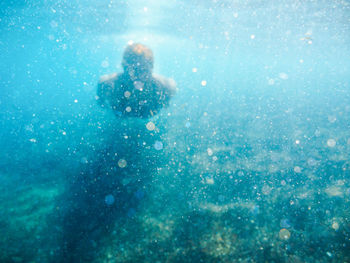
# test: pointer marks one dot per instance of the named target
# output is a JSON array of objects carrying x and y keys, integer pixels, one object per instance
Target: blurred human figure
[
  {"x": 136, "y": 92},
  {"x": 110, "y": 186}
]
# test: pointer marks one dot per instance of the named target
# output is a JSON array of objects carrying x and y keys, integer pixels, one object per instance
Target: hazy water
[{"x": 262, "y": 103}]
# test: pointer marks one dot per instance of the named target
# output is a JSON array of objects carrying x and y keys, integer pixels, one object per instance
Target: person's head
[{"x": 138, "y": 61}]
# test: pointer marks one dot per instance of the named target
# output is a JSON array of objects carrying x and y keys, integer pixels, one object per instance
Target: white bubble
[
  {"x": 194, "y": 70},
  {"x": 150, "y": 126},
  {"x": 266, "y": 190},
  {"x": 128, "y": 109},
  {"x": 75, "y": 101},
  {"x": 252, "y": 36},
  {"x": 209, "y": 180},
  {"x": 283, "y": 76},
  {"x": 158, "y": 145},
  {"x": 284, "y": 234},
  {"x": 335, "y": 226},
  {"x": 312, "y": 162},
  {"x": 332, "y": 119},
  {"x": 297, "y": 169},
  {"x": 203, "y": 83},
  {"x": 122, "y": 163},
  {"x": 127, "y": 94},
  {"x": 331, "y": 142},
  {"x": 317, "y": 133},
  {"x": 105, "y": 64},
  {"x": 138, "y": 85},
  {"x": 271, "y": 81},
  {"x": 210, "y": 152},
  {"x": 53, "y": 24}
]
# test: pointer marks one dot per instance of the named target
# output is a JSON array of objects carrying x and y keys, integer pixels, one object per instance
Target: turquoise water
[{"x": 249, "y": 163}]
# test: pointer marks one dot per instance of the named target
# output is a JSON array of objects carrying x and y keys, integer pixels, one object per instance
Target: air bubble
[
  {"x": 158, "y": 145},
  {"x": 331, "y": 142},
  {"x": 122, "y": 163},
  {"x": 150, "y": 126}
]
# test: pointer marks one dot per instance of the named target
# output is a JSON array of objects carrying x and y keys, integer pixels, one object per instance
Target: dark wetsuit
[{"x": 128, "y": 98}]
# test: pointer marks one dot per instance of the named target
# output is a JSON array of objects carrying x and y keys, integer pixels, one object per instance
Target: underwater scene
[{"x": 175, "y": 131}]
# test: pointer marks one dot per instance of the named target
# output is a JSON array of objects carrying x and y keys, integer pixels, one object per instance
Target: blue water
[{"x": 249, "y": 163}]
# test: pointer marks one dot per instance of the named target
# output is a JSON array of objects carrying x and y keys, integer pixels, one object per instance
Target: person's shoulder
[
  {"x": 166, "y": 83},
  {"x": 108, "y": 78}
]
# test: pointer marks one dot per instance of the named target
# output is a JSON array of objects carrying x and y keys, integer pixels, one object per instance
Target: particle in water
[
  {"x": 335, "y": 226},
  {"x": 150, "y": 126},
  {"x": 204, "y": 83},
  {"x": 158, "y": 145},
  {"x": 271, "y": 81},
  {"x": 297, "y": 169},
  {"x": 105, "y": 64},
  {"x": 128, "y": 109},
  {"x": 266, "y": 190},
  {"x": 122, "y": 163},
  {"x": 109, "y": 199},
  {"x": 194, "y": 70},
  {"x": 283, "y": 76},
  {"x": 301, "y": 60},
  {"x": 138, "y": 85},
  {"x": 332, "y": 119},
  {"x": 127, "y": 94},
  {"x": 187, "y": 124},
  {"x": 210, "y": 152},
  {"x": 75, "y": 101},
  {"x": 252, "y": 37},
  {"x": 331, "y": 142},
  {"x": 209, "y": 180},
  {"x": 297, "y": 141},
  {"x": 284, "y": 234},
  {"x": 53, "y": 24},
  {"x": 312, "y": 162},
  {"x": 329, "y": 254}
]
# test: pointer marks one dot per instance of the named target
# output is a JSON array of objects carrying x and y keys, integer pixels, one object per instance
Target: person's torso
[{"x": 136, "y": 98}]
